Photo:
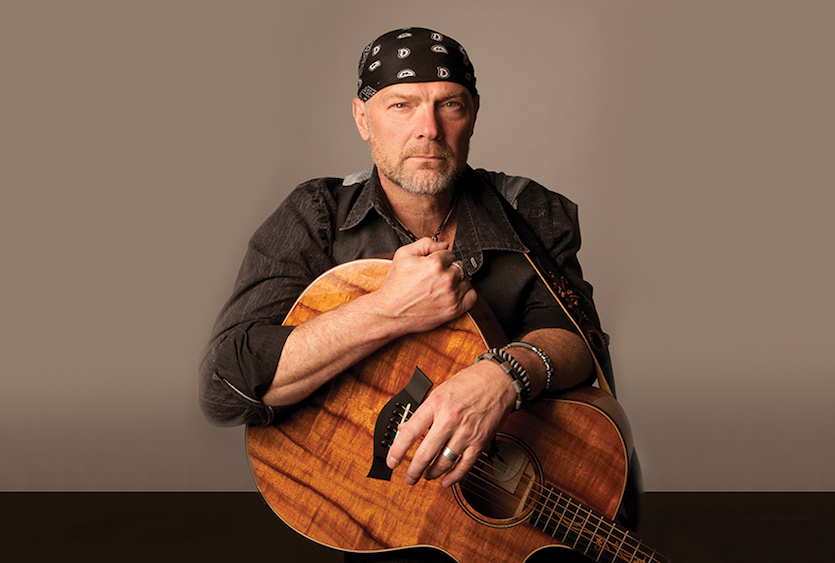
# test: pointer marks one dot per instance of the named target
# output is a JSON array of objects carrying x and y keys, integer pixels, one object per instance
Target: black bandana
[{"x": 413, "y": 54}]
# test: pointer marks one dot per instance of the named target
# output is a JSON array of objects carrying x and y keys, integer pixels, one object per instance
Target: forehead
[{"x": 423, "y": 90}]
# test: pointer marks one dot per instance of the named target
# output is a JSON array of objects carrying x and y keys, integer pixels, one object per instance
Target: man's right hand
[{"x": 423, "y": 288}]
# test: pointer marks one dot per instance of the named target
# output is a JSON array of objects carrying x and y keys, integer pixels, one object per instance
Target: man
[{"x": 456, "y": 234}]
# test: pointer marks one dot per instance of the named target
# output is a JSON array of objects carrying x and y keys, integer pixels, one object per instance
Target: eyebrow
[{"x": 390, "y": 96}]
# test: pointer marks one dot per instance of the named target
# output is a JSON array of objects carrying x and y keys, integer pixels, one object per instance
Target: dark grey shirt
[{"x": 330, "y": 221}]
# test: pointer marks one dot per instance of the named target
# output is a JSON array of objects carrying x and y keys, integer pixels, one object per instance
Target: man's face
[{"x": 419, "y": 133}]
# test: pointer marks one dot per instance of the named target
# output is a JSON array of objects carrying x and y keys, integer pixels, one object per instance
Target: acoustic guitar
[{"x": 553, "y": 478}]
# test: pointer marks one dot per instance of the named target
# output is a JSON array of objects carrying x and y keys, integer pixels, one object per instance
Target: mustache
[{"x": 433, "y": 150}]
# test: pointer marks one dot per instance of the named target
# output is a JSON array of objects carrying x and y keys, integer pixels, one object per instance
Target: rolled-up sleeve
[{"x": 284, "y": 255}]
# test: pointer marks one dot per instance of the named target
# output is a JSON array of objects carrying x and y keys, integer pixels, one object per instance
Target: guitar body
[{"x": 312, "y": 468}]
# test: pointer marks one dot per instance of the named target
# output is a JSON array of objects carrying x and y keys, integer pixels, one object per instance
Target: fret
[
  {"x": 561, "y": 521},
  {"x": 597, "y": 543},
  {"x": 567, "y": 538},
  {"x": 654, "y": 557},
  {"x": 593, "y": 539},
  {"x": 586, "y": 531},
  {"x": 546, "y": 503},
  {"x": 634, "y": 553},
  {"x": 541, "y": 513},
  {"x": 586, "y": 537},
  {"x": 622, "y": 539},
  {"x": 552, "y": 525},
  {"x": 606, "y": 548},
  {"x": 557, "y": 533}
]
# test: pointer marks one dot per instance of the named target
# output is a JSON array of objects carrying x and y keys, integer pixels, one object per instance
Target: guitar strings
[
  {"x": 574, "y": 508},
  {"x": 502, "y": 471},
  {"x": 539, "y": 491},
  {"x": 570, "y": 505}
]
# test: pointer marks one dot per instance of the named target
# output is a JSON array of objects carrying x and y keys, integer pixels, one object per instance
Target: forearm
[
  {"x": 568, "y": 354},
  {"x": 421, "y": 291},
  {"x": 327, "y": 345}
]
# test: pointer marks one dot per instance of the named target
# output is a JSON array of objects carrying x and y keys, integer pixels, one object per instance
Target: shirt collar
[
  {"x": 371, "y": 197},
  {"x": 482, "y": 222}
]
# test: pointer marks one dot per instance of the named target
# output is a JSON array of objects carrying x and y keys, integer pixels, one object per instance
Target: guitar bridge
[{"x": 394, "y": 413}]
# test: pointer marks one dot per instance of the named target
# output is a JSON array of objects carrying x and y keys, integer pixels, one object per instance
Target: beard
[{"x": 430, "y": 178}]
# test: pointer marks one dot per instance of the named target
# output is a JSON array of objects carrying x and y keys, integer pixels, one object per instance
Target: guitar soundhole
[{"x": 502, "y": 486}]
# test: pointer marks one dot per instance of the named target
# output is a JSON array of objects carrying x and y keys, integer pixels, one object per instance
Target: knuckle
[
  {"x": 405, "y": 434},
  {"x": 453, "y": 418},
  {"x": 423, "y": 457}
]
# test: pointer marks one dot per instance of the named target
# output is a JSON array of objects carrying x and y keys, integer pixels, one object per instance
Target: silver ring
[
  {"x": 450, "y": 455},
  {"x": 460, "y": 265}
]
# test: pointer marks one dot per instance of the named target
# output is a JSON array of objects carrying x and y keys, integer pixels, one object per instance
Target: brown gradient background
[{"x": 143, "y": 143}]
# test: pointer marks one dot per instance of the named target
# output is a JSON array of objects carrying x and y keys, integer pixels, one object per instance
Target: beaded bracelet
[
  {"x": 549, "y": 368},
  {"x": 506, "y": 367}
]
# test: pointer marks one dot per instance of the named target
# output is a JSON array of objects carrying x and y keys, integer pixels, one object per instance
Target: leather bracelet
[
  {"x": 549, "y": 368},
  {"x": 519, "y": 372},
  {"x": 506, "y": 367}
]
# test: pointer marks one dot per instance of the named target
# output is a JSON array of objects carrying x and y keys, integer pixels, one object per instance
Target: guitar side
[{"x": 312, "y": 467}]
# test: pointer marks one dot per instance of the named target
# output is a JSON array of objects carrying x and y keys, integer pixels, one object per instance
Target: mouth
[
  {"x": 431, "y": 156},
  {"x": 428, "y": 152},
  {"x": 427, "y": 157}
]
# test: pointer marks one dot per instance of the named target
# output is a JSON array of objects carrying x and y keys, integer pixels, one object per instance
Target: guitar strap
[
  {"x": 564, "y": 292},
  {"x": 589, "y": 334},
  {"x": 582, "y": 313}
]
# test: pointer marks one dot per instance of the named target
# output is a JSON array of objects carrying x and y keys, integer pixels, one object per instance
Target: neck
[{"x": 423, "y": 214}]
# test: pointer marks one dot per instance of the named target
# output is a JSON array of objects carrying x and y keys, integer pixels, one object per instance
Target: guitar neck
[{"x": 588, "y": 532}]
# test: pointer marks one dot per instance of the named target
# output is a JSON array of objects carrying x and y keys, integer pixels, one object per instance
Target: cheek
[
  {"x": 391, "y": 138},
  {"x": 459, "y": 132},
  {"x": 461, "y": 140}
]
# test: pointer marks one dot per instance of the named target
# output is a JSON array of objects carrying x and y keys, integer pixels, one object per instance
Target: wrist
[
  {"x": 514, "y": 373},
  {"x": 383, "y": 323}
]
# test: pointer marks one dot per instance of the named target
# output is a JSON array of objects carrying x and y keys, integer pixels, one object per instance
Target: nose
[{"x": 428, "y": 124}]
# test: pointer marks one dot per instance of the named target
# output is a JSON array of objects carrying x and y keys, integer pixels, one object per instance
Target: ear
[
  {"x": 476, "y": 105},
  {"x": 360, "y": 115}
]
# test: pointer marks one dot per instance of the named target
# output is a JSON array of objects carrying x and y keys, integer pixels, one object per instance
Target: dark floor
[{"x": 687, "y": 527}]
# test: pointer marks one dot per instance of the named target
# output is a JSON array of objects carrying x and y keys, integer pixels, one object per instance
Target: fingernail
[{"x": 391, "y": 462}]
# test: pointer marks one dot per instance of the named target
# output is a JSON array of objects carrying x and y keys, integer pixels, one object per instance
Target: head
[{"x": 416, "y": 106}]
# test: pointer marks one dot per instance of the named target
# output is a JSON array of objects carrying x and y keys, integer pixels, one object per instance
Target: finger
[
  {"x": 450, "y": 455},
  {"x": 426, "y": 454},
  {"x": 460, "y": 469},
  {"x": 407, "y": 434},
  {"x": 469, "y": 298},
  {"x": 459, "y": 266},
  {"x": 421, "y": 247},
  {"x": 425, "y": 418}
]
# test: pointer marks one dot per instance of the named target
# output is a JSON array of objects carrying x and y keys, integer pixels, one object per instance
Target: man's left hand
[{"x": 462, "y": 414}]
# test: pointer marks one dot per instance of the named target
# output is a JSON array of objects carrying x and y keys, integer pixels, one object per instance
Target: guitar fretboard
[{"x": 588, "y": 532}]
